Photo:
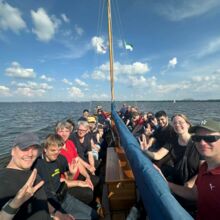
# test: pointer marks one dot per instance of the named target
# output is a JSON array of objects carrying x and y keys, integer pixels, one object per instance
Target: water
[{"x": 41, "y": 117}]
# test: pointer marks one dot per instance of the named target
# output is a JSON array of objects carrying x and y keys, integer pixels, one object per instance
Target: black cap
[
  {"x": 208, "y": 124},
  {"x": 26, "y": 140}
]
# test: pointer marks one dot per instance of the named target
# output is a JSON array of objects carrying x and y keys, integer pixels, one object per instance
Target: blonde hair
[
  {"x": 53, "y": 139},
  {"x": 182, "y": 116}
]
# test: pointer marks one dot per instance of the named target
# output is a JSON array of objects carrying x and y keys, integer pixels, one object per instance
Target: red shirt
[
  {"x": 208, "y": 186},
  {"x": 70, "y": 153}
]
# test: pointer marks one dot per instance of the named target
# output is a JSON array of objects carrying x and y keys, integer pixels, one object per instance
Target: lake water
[{"x": 41, "y": 117}]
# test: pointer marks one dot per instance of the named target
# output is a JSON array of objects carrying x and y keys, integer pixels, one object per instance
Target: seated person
[
  {"x": 162, "y": 134},
  {"x": 53, "y": 169},
  {"x": 82, "y": 141},
  {"x": 21, "y": 194},
  {"x": 82, "y": 186}
]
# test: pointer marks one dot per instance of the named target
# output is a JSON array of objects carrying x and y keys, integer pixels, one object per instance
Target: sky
[{"x": 52, "y": 50}]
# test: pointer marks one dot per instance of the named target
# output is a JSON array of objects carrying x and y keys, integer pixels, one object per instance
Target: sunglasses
[{"x": 206, "y": 138}]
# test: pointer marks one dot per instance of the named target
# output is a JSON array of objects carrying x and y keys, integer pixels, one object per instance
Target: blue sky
[{"x": 58, "y": 50}]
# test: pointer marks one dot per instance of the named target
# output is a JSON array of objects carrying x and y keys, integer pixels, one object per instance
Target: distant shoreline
[{"x": 174, "y": 101}]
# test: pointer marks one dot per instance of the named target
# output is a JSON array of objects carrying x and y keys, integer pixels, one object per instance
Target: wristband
[{"x": 8, "y": 209}]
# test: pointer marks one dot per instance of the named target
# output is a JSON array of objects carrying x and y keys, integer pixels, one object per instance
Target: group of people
[
  {"x": 56, "y": 179},
  {"x": 188, "y": 157},
  {"x": 59, "y": 178}
]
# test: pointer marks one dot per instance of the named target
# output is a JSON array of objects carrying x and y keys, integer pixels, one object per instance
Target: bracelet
[{"x": 8, "y": 209}]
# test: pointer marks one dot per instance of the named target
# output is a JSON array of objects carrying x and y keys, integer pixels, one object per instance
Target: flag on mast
[{"x": 128, "y": 46}]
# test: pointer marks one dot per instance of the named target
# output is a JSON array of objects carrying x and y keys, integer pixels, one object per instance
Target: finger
[
  {"x": 71, "y": 217},
  {"x": 32, "y": 178},
  {"x": 36, "y": 187}
]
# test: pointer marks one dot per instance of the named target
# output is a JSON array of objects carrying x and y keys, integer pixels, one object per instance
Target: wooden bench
[{"x": 120, "y": 183}]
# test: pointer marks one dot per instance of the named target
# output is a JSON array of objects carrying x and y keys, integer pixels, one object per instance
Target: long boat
[
  {"x": 158, "y": 201},
  {"x": 127, "y": 168}
]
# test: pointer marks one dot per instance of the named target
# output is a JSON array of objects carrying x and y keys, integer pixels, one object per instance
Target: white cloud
[
  {"x": 66, "y": 81},
  {"x": 212, "y": 47},
  {"x": 78, "y": 30},
  {"x": 48, "y": 79},
  {"x": 45, "y": 26},
  {"x": 179, "y": 10},
  {"x": 16, "y": 70},
  {"x": 172, "y": 62},
  {"x": 65, "y": 18},
  {"x": 4, "y": 91},
  {"x": 10, "y": 18},
  {"x": 31, "y": 89},
  {"x": 75, "y": 92},
  {"x": 100, "y": 96},
  {"x": 120, "y": 70},
  {"x": 98, "y": 43},
  {"x": 81, "y": 83}
]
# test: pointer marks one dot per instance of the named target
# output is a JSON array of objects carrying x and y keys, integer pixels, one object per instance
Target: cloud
[
  {"x": 98, "y": 43},
  {"x": 81, "y": 83},
  {"x": 78, "y": 30},
  {"x": 44, "y": 26},
  {"x": 75, "y": 92},
  {"x": 66, "y": 81},
  {"x": 120, "y": 70},
  {"x": 31, "y": 89},
  {"x": 4, "y": 91},
  {"x": 16, "y": 70},
  {"x": 65, "y": 18},
  {"x": 211, "y": 47},
  {"x": 172, "y": 62},
  {"x": 46, "y": 78},
  {"x": 100, "y": 96},
  {"x": 85, "y": 75},
  {"x": 180, "y": 10},
  {"x": 10, "y": 18}
]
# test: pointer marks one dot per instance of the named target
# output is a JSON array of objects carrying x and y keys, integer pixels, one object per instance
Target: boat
[
  {"x": 127, "y": 167},
  {"x": 158, "y": 201}
]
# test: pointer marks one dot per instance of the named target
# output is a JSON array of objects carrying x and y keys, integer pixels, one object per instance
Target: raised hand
[{"x": 27, "y": 191}]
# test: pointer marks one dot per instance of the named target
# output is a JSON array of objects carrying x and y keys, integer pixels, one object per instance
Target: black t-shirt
[
  {"x": 12, "y": 181},
  {"x": 164, "y": 135},
  {"x": 177, "y": 152},
  {"x": 82, "y": 148},
  {"x": 51, "y": 172}
]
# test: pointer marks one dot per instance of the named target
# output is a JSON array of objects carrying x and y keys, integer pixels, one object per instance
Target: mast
[{"x": 111, "y": 62}]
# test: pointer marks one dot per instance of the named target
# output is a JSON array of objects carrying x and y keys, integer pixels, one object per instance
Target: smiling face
[
  {"x": 23, "y": 159},
  {"x": 180, "y": 125},
  {"x": 162, "y": 121},
  {"x": 64, "y": 133},
  {"x": 208, "y": 149},
  {"x": 52, "y": 152},
  {"x": 82, "y": 130}
]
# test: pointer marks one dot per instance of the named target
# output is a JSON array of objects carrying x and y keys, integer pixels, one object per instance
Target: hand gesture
[
  {"x": 61, "y": 216},
  {"x": 27, "y": 191}
]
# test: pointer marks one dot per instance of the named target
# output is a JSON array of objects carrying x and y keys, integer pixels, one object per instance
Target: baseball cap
[
  {"x": 91, "y": 119},
  {"x": 26, "y": 140},
  {"x": 209, "y": 124}
]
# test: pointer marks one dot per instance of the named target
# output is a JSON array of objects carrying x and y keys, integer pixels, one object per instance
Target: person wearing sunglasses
[{"x": 206, "y": 190}]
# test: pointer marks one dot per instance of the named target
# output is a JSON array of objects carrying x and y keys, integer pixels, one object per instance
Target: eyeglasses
[
  {"x": 206, "y": 138},
  {"x": 81, "y": 130}
]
